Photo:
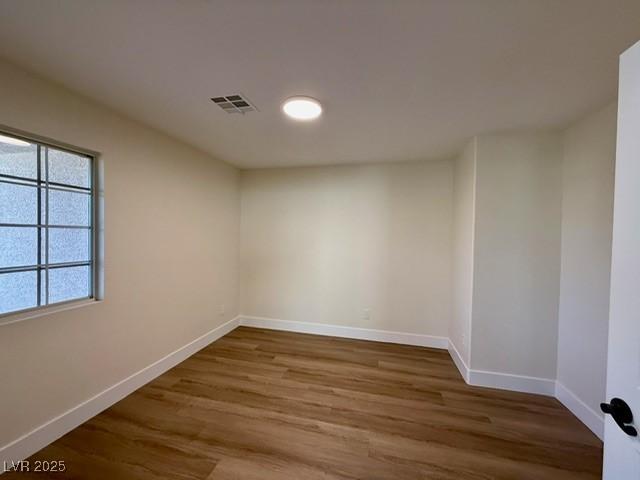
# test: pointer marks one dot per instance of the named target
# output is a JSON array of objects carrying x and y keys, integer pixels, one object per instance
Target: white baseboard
[
  {"x": 459, "y": 361},
  {"x": 541, "y": 386},
  {"x": 515, "y": 383},
  {"x": 346, "y": 332},
  {"x": 42, "y": 436},
  {"x": 593, "y": 420},
  {"x": 502, "y": 381},
  {"x": 55, "y": 428}
]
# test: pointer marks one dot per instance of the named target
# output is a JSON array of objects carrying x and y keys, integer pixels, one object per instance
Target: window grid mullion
[
  {"x": 91, "y": 232},
  {"x": 37, "y": 182},
  {"x": 42, "y": 225},
  {"x": 39, "y": 230},
  {"x": 52, "y": 266},
  {"x": 46, "y": 223}
]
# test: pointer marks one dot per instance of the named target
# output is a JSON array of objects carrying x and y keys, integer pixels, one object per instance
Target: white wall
[
  {"x": 464, "y": 185},
  {"x": 517, "y": 254},
  {"x": 323, "y": 244},
  {"x": 171, "y": 236},
  {"x": 587, "y": 219},
  {"x": 429, "y": 248}
]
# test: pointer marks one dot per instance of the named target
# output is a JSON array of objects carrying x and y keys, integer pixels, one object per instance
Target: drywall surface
[
  {"x": 587, "y": 222},
  {"x": 359, "y": 246},
  {"x": 517, "y": 254},
  {"x": 464, "y": 185},
  {"x": 171, "y": 236}
]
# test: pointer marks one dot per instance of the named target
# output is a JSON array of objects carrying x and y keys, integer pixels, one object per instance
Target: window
[{"x": 47, "y": 239}]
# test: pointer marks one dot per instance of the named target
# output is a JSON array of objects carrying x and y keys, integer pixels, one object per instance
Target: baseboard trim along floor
[
  {"x": 459, "y": 361},
  {"x": 55, "y": 428},
  {"x": 514, "y": 383},
  {"x": 262, "y": 403},
  {"x": 541, "y": 386},
  {"x": 593, "y": 420},
  {"x": 346, "y": 332}
]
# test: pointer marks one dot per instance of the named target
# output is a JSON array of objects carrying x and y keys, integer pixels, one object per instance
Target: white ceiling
[{"x": 399, "y": 79}]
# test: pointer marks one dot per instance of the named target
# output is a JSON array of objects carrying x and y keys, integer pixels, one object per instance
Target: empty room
[{"x": 320, "y": 239}]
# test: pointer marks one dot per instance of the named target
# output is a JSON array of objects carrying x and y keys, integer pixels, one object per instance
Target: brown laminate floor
[{"x": 267, "y": 405}]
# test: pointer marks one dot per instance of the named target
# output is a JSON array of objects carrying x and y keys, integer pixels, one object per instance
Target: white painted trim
[
  {"x": 459, "y": 361},
  {"x": 55, "y": 428},
  {"x": 42, "y": 436},
  {"x": 474, "y": 201},
  {"x": 14, "y": 317},
  {"x": 584, "y": 413},
  {"x": 346, "y": 332},
  {"x": 515, "y": 383}
]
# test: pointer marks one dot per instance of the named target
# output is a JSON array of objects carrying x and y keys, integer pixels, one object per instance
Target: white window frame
[{"x": 96, "y": 260}]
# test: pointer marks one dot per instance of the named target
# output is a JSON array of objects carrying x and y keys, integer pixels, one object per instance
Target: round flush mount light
[
  {"x": 13, "y": 141},
  {"x": 302, "y": 108}
]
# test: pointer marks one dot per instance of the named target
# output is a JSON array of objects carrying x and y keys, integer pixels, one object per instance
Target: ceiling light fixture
[
  {"x": 302, "y": 108},
  {"x": 13, "y": 141}
]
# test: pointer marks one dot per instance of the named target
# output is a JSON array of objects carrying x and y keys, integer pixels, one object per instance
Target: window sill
[{"x": 10, "y": 318}]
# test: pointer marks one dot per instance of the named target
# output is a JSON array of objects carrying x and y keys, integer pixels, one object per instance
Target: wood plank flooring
[{"x": 267, "y": 405}]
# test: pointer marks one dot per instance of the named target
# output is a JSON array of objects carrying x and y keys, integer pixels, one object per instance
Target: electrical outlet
[
  {"x": 221, "y": 310},
  {"x": 366, "y": 314}
]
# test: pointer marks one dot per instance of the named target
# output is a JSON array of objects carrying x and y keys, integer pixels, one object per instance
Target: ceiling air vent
[{"x": 234, "y": 104}]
